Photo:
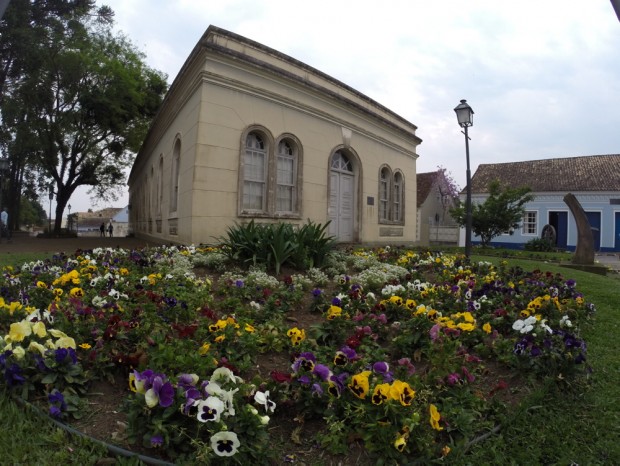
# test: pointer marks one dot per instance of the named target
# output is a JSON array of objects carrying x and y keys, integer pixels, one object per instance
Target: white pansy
[
  {"x": 524, "y": 326},
  {"x": 254, "y": 305},
  {"x": 262, "y": 398},
  {"x": 565, "y": 322}
]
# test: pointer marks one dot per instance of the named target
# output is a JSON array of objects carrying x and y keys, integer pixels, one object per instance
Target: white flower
[
  {"x": 98, "y": 301},
  {"x": 371, "y": 296},
  {"x": 544, "y": 326},
  {"x": 565, "y": 322},
  {"x": 222, "y": 374},
  {"x": 264, "y": 420},
  {"x": 227, "y": 396},
  {"x": 210, "y": 409},
  {"x": 525, "y": 326},
  {"x": 225, "y": 443},
  {"x": 262, "y": 398},
  {"x": 254, "y": 305}
]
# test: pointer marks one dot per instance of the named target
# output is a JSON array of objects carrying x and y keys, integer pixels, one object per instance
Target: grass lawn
[{"x": 557, "y": 424}]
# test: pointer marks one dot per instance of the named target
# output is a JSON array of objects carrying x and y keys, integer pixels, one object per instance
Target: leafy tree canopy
[
  {"x": 502, "y": 211},
  {"x": 78, "y": 101}
]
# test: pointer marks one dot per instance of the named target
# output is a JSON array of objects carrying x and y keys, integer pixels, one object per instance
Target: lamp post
[
  {"x": 69, "y": 221},
  {"x": 4, "y": 164},
  {"x": 465, "y": 117},
  {"x": 51, "y": 196}
]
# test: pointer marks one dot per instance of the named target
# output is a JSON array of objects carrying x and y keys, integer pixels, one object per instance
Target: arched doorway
[{"x": 342, "y": 203}]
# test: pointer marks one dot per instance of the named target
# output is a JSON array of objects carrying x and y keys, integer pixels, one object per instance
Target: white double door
[{"x": 341, "y": 205}]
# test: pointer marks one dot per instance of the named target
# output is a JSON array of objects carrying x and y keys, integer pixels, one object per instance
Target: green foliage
[
  {"x": 77, "y": 103},
  {"x": 539, "y": 244},
  {"x": 274, "y": 245},
  {"x": 31, "y": 212},
  {"x": 448, "y": 333},
  {"x": 500, "y": 212}
]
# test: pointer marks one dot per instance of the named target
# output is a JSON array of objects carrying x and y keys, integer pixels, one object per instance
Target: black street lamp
[
  {"x": 69, "y": 221},
  {"x": 465, "y": 117}
]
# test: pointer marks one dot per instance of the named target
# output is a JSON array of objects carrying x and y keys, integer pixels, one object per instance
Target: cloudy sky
[{"x": 542, "y": 76}]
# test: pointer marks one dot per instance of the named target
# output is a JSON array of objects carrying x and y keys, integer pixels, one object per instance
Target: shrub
[{"x": 539, "y": 244}]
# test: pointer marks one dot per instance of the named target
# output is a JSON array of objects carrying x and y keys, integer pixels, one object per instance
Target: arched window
[
  {"x": 286, "y": 177},
  {"x": 391, "y": 196},
  {"x": 255, "y": 173},
  {"x": 384, "y": 194},
  {"x": 341, "y": 162},
  {"x": 270, "y": 175},
  {"x": 176, "y": 169},
  {"x": 160, "y": 185},
  {"x": 397, "y": 200}
]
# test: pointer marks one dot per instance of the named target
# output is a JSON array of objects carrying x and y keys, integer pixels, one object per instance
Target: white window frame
[
  {"x": 528, "y": 224},
  {"x": 289, "y": 186},
  {"x": 391, "y": 196},
  {"x": 271, "y": 181}
]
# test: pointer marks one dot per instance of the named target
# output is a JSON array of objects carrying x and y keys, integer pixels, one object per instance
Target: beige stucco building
[{"x": 246, "y": 132}]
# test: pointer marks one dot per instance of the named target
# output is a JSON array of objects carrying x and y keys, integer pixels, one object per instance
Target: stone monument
[{"x": 584, "y": 252}]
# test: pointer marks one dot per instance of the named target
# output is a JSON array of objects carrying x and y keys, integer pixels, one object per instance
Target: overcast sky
[{"x": 542, "y": 76}]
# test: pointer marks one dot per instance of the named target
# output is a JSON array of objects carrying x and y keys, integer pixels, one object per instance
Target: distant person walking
[
  {"x": 102, "y": 229},
  {"x": 110, "y": 229},
  {"x": 4, "y": 224}
]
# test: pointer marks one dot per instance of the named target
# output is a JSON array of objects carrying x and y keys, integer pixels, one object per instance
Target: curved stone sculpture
[{"x": 584, "y": 253}]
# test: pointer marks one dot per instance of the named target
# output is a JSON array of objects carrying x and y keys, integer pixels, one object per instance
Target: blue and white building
[{"x": 594, "y": 180}]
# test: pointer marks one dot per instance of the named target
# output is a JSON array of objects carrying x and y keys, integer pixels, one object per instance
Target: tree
[
  {"x": 31, "y": 213},
  {"x": 448, "y": 190},
  {"x": 501, "y": 211},
  {"x": 82, "y": 113}
]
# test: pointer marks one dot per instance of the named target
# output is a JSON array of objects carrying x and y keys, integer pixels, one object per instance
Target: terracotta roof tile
[{"x": 570, "y": 174}]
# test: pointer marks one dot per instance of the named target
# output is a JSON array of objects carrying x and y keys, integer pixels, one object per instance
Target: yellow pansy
[
  {"x": 38, "y": 329},
  {"x": 15, "y": 306},
  {"x": 19, "y": 352},
  {"x": 85, "y": 346},
  {"x": 359, "y": 384},
  {"x": 219, "y": 325},
  {"x": 333, "y": 312},
  {"x": 204, "y": 349},
  {"x": 465, "y": 326},
  {"x": 220, "y": 338},
  {"x": 76, "y": 292},
  {"x": 381, "y": 393},
  {"x": 65, "y": 342},
  {"x": 20, "y": 330},
  {"x": 402, "y": 391},
  {"x": 396, "y": 300},
  {"x": 434, "y": 417},
  {"x": 296, "y": 335},
  {"x": 400, "y": 443},
  {"x": 487, "y": 328},
  {"x": 35, "y": 346},
  {"x": 57, "y": 333}
]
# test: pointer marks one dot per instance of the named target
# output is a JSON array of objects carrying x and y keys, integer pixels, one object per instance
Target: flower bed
[{"x": 407, "y": 354}]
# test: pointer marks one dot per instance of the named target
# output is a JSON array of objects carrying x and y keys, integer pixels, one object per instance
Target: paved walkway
[
  {"x": 609, "y": 259},
  {"x": 22, "y": 243}
]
